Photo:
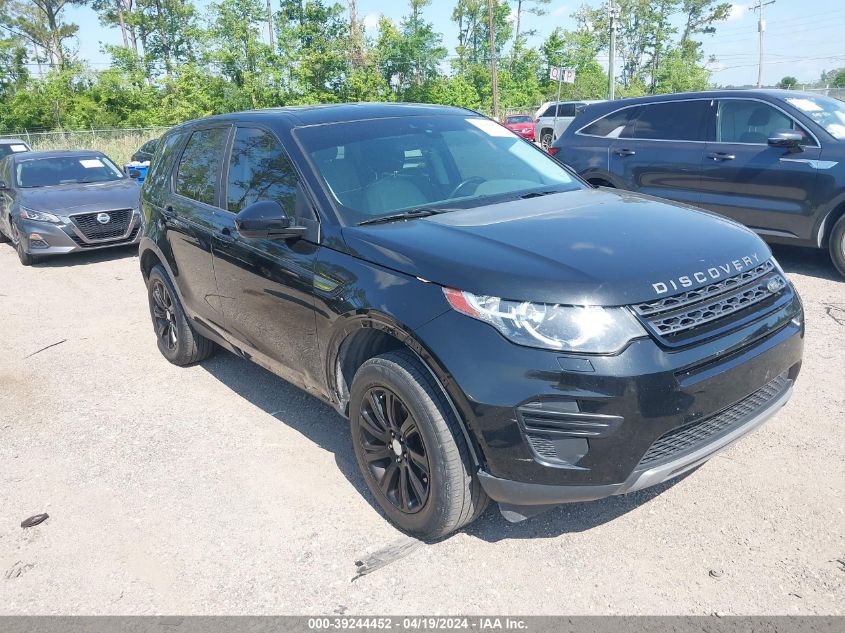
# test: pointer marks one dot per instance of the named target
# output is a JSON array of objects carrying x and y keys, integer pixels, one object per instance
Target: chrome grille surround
[{"x": 679, "y": 313}]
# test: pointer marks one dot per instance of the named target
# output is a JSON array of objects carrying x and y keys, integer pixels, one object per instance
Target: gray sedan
[{"x": 58, "y": 202}]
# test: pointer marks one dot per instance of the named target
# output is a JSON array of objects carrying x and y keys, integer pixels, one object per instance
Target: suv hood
[
  {"x": 81, "y": 197},
  {"x": 586, "y": 247}
]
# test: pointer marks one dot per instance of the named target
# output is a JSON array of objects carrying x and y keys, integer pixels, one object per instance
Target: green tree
[
  {"x": 42, "y": 23},
  {"x": 788, "y": 83}
]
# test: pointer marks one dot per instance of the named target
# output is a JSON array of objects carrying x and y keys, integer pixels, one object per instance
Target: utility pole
[
  {"x": 613, "y": 15},
  {"x": 270, "y": 26},
  {"x": 761, "y": 28},
  {"x": 495, "y": 79}
]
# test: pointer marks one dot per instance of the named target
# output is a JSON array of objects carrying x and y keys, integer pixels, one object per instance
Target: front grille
[
  {"x": 675, "y": 315},
  {"x": 693, "y": 435},
  {"x": 92, "y": 229},
  {"x": 80, "y": 242}
]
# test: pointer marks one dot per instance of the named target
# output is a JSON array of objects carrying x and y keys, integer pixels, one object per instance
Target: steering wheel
[{"x": 476, "y": 180}]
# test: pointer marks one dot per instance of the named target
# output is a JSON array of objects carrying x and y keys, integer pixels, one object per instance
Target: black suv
[
  {"x": 492, "y": 326},
  {"x": 773, "y": 160}
]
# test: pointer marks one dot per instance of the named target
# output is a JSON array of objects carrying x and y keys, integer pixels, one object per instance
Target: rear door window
[
  {"x": 747, "y": 121},
  {"x": 674, "y": 121},
  {"x": 259, "y": 169},
  {"x": 199, "y": 166}
]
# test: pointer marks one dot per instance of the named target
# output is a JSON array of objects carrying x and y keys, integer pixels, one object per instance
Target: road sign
[{"x": 566, "y": 75}]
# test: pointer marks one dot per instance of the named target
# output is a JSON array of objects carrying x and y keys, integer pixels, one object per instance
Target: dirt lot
[{"x": 222, "y": 489}]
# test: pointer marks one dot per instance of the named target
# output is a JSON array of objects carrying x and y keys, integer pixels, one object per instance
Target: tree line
[{"x": 176, "y": 61}]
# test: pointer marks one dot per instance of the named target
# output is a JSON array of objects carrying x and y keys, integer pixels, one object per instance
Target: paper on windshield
[
  {"x": 491, "y": 128},
  {"x": 90, "y": 163},
  {"x": 807, "y": 105},
  {"x": 18, "y": 148}
]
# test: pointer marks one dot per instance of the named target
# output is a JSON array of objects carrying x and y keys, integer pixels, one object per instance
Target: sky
[{"x": 802, "y": 36}]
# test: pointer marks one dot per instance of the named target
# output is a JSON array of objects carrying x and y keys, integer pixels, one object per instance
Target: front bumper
[
  {"x": 66, "y": 237},
  {"x": 623, "y": 404},
  {"x": 516, "y": 493}
]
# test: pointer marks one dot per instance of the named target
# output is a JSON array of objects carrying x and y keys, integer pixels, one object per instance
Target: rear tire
[
  {"x": 837, "y": 245},
  {"x": 410, "y": 449},
  {"x": 177, "y": 340}
]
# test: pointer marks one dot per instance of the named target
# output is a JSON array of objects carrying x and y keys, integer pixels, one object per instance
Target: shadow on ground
[
  {"x": 321, "y": 424},
  {"x": 87, "y": 258},
  {"x": 814, "y": 262}
]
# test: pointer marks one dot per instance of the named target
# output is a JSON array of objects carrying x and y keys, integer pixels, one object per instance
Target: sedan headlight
[
  {"x": 588, "y": 329},
  {"x": 39, "y": 216}
]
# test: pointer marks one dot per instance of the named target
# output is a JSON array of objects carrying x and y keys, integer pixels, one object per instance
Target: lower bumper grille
[
  {"x": 115, "y": 226},
  {"x": 685, "y": 438},
  {"x": 127, "y": 240}
]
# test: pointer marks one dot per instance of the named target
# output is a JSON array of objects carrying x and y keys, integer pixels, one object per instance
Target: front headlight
[
  {"x": 39, "y": 216},
  {"x": 588, "y": 329}
]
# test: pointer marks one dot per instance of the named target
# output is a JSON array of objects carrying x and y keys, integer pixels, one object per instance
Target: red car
[{"x": 522, "y": 124}]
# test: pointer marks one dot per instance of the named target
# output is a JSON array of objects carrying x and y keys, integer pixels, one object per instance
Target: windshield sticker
[
  {"x": 491, "y": 128},
  {"x": 91, "y": 163},
  {"x": 18, "y": 148},
  {"x": 807, "y": 105}
]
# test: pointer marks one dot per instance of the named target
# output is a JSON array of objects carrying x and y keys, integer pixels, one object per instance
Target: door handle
[
  {"x": 224, "y": 235},
  {"x": 624, "y": 152},
  {"x": 721, "y": 156}
]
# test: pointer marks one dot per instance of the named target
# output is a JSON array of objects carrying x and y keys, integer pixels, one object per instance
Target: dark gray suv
[{"x": 773, "y": 160}]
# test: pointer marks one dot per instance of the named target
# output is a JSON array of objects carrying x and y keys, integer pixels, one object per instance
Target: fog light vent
[
  {"x": 36, "y": 241},
  {"x": 562, "y": 419}
]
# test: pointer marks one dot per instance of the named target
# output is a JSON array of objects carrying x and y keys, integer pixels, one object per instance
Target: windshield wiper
[
  {"x": 537, "y": 194},
  {"x": 410, "y": 214}
]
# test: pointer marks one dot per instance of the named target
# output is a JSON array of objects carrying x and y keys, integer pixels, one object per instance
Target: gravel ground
[{"x": 221, "y": 489}]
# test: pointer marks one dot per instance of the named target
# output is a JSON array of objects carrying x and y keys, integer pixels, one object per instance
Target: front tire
[
  {"x": 546, "y": 140},
  {"x": 837, "y": 245},
  {"x": 177, "y": 340},
  {"x": 410, "y": 449},
  {"x": 26, "y": 259}
]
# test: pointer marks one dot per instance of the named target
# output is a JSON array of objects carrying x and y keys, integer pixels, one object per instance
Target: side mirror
[
  {"x": 266, "y": 220},
  {"x": 789, "y": 139}
]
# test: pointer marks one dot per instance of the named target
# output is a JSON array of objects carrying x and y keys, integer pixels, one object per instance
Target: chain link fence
[{"x": 118, "y": 143}]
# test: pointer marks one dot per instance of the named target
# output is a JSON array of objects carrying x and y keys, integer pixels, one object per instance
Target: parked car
[
  {"x": 58, "y": 202},
  {"x": 773, "y": 160},
  {"x": 548, "y": 127},
  {"x": 13, "y": 146},
  {"x": 145, "y": 152},
  {"x": 521, "y": 124},
  {"x": 493, "y": 329}
]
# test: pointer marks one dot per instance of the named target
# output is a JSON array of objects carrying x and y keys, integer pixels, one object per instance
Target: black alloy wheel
[
  {"x": 394, "y": 450},
  {"x": 176, "y": 338},
  {"x": 164, "y": 315}
]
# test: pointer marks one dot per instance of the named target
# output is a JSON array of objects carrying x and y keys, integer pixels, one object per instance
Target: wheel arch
[
  {"x": 367, "y": 334},
  {"x": 828, "y": 221}
]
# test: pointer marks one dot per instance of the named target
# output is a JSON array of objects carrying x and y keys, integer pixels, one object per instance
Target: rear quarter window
[
  {"x": 161, "y": 165},
  {"x": 617, "y": 124}
]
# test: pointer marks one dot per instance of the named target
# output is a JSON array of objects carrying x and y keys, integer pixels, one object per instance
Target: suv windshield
[
  {"x": 62, "y": 170},
  {"x": 827, "y": 112},
  {"x": 375, "y": 168},
  {"x": 519, "y": 118}
]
